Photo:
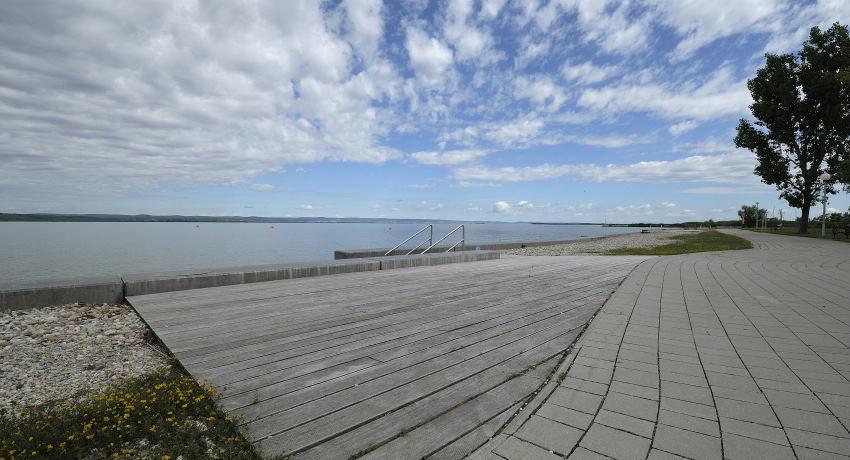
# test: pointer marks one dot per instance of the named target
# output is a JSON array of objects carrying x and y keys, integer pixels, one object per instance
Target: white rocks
[
  {"x": 54, "y": 352},
  {"x": 599, "y": 246}
]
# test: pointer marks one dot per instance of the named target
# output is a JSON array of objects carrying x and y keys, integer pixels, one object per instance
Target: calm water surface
[{"x": 41, "y": 251}]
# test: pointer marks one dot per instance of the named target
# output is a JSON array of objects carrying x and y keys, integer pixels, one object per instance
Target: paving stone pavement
[{"x": 739, "y": 354}]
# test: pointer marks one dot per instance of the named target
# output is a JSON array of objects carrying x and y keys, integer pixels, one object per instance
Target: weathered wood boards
[{"x": 394, "y": 364}]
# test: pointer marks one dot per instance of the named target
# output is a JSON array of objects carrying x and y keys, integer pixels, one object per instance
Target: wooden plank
[
  {"x": 288, "y": 394},
  {"x": 330, "y": 364},
  {"x": 413, "y": 313},
  {"x": 306, "y": 426},
  {"x": 177, "y": 313},
  {"x": 391, "y": 299},
  {"x": 319, "y": 301},
  {"x": 255, "y": 362},
  {"x": 394, "y": 303},
  {"x": 448, "y": 428}
]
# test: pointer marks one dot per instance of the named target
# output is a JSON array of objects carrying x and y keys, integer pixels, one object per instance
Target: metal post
[
  {"x": 824, "y": 177},
  {"x": 757, "y": 215},
  {"x": 823, "y": 215},
  {"x": 463, "y": 238}
]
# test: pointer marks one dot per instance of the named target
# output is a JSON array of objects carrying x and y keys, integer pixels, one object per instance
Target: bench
[{"x": 843, "y": 229}]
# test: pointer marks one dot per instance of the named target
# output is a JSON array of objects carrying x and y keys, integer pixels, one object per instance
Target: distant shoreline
[
  {"x": 7, "y": 217},
  {"x": 59, "y": 217},
  {"x": 48, "y": 217}
]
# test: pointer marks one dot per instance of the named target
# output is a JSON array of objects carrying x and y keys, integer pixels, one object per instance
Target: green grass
[
  {"x": 161, "y": 415},
  {"x": 814, "y": 232},
  {"x": 687, "y": 243}
]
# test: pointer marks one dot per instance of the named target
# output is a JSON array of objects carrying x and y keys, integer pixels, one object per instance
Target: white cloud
[
  {"x": 367, "y": 24},
  {"x": 306, "y": 207},
  {"x": 683, "y": 213},
  {"x": 422, "y": 186},
  {"x": 587, "y": 73},
  {"x": 611, "y": 141},
  {"x": 541, "y": 91},
  {"x": 617, "y": 27},
  {"x": 635, "y": 209},
  {"x": 469, "y": 41},
  {"x": 490, "y": 8},
  {"x": 264, "y": 187},
  {"x": 667, "y": 204},
  {"x": 729, "y": 190},
  {"x": 501, "y": 207},
  {"x": 733, "y": 167},
  {"x": 504, "y": 207},
  {"x": 471, "y": 184},
  {"x": 719, "y": 95},
  {"x": 429, "y": 57},
  {"x": 514, "y": 132},
  {"x": 794, "y": 27},
  {"x": 701, "y": 22},
  {"x": 448, "y": 158},
  {"x": 429, "y": 206},
  {"x": 183, "y": 94},
  {"x": 682, "y": 127},
  {"x": 710, "y": 145}
]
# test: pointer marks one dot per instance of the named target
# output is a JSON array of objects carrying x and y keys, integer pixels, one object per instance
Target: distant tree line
[{"x": 752, "y": 216}]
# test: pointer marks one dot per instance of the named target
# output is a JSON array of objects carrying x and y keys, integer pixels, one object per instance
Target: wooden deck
[{"x": 398, "y": 364}]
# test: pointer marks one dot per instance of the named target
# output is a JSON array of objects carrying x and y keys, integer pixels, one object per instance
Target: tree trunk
[{"x": 804, "y": 220}]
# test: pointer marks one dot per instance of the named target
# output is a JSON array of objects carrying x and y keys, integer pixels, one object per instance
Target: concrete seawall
[
  {"x": 378, "y": 252},
  {"x": 115, "y": 289}
]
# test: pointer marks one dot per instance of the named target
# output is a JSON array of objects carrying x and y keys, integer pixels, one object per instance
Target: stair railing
[
  {"x": 429, "y": 240},
  {"x": 462, "y": 241}
]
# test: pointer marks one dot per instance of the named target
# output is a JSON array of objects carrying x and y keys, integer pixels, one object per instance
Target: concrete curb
[
  {"x": 154, "y": 283},
  {"x": 116, "y": 289},
  {"x": 92, "y": 290}
]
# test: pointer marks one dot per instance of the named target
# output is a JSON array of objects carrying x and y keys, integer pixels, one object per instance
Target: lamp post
[
  {"x": 757, "y": 215},
  {"x": 824, "y": 177}
]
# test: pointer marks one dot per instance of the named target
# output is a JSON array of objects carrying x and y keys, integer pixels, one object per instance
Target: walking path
[
  {"x": 386, "y": 364},
  {"x": 740, "y": 354}
]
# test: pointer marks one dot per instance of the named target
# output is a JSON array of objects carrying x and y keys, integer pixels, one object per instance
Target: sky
[{"x": 526, "y": 110}]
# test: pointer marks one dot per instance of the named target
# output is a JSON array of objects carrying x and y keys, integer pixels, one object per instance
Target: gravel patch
[
  {"x": 599, "y": 246},
  {"x": 53, "y": 353}
]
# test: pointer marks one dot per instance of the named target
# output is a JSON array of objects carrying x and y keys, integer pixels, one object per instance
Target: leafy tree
[
  {"x": 802, "y": 108},
  {"x": 748, "y": 215}
]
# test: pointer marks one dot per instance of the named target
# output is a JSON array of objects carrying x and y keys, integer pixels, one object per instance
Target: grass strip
[
  {"x": 162, "y": 415},
  {"x": 814, "y": 232},
  {"x": 710, "y": 240}
]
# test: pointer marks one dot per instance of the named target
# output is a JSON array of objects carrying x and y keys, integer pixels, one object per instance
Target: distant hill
[{"x": 234, "y": 219}]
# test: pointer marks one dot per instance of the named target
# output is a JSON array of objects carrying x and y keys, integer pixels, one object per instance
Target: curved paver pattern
[{"x": 740, "y": 354}]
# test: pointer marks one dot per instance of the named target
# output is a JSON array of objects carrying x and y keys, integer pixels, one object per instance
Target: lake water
[{"x": 42, "y": 251}]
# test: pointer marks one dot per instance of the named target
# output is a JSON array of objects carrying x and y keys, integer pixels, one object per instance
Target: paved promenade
[
  {"x": 390, "y": 364},
  {"x": 741, "y": 354}
]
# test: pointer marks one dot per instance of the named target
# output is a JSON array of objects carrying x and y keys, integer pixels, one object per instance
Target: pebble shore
[
  {"x": 600, "y": 245},
  {"x": 53, "y": 353}
]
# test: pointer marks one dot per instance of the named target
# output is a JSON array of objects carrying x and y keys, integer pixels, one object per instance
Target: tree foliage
[
  {"x": 748, "y": 214},
  {"x": 801, "y": 103}
]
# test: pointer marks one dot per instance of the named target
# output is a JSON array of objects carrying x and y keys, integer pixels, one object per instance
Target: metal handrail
[
  {"x": 430, "y": 239},
  {"x": 462, "y": 241},
  {"x": 420, "y": 244}
]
